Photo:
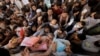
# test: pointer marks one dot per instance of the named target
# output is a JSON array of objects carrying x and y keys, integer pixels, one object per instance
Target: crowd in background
[{"x": 58, "y": 26}]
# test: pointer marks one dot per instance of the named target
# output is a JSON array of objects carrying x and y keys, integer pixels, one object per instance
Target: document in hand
[{"x": 29, "y": 41}]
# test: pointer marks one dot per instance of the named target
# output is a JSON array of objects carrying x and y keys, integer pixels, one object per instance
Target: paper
[
  {"x": 25, "y": 2},
  {"x": 29, "y": 41},
  {"x": 24, "y": 42}
]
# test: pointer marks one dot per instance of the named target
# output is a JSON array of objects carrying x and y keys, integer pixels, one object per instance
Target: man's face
[
  {"x": 39, "y": 21},
  {"x": 25, "y": 23},
  {"x": 83, "y": 2},
  {"x": 53, "y": 22},
  {"x": 64, "y": 15},
  {"x": 34, "y": 28},
  {"x": 38, "y": 13},
  {"x": 46, "y": 29},
  {"x": 7, "y": 1},
  {"x": 7, "y": 33},
  {"x": 50, "y": 12},
  {"x": 34, "y": 7}
]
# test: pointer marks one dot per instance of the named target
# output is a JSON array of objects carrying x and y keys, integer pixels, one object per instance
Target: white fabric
[
  {"x": 48, "y": 3},
  {"x": 25, "y": 2},
  {"x": 88, "y": 44},
  {"x": 91, "y": 22},
  {"x": 38, "y": 10},
  {"x": 18, "y": 4}
]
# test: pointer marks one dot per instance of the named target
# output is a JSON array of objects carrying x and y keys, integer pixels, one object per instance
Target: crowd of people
[{"x": 48, "y": 27}]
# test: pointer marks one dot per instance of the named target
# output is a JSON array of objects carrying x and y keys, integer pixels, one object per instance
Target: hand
[
  {"x": 92, "y": 14},
  {"x": 76, "y": 13},
  {"x": 12, "y": 43},
  {"x": 68, "y": 50},
  {"x": 25, "y": 52}
]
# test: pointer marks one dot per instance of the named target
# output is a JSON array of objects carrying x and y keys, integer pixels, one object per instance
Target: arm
[
  {"x": 68, "y": 50},
  {"x": 39, "y": 32},
  {"x": 5, "y": 40},
  {"x": 71, "y": 22},
  {"x": 60, "y": 20},
  {"x": 52, "y": 48},
  {"x": 42, "y": 25},
  {"x": 25, "y": 52},
  {"x": 67, "y": 43},
  {"x": 71, "y": 31}
]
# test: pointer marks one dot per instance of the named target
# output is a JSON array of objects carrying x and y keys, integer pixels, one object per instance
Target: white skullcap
[{"x": 38, "y": 10}]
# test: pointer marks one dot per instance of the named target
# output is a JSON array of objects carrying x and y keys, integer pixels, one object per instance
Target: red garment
[
  {"x": 58, "y": 11},
  {"x": 22, "y": 32}
]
